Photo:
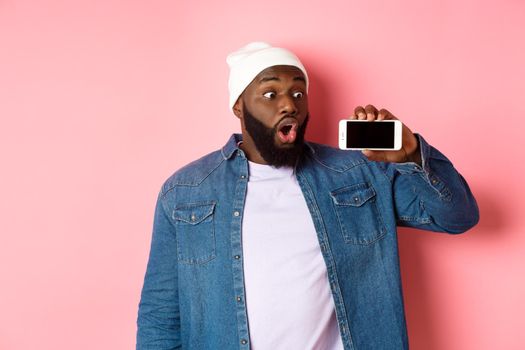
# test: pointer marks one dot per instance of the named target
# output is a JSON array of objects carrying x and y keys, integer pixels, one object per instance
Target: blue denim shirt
[{"x": 193, "y": 293}]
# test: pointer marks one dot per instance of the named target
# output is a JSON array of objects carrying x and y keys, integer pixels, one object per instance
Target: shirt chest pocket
[
  {"x": 195, "y": 231},
  {"x": 358, "y": 214}
]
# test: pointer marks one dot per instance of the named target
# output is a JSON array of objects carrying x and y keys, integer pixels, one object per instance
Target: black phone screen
[{"x": 370, "y": 134}]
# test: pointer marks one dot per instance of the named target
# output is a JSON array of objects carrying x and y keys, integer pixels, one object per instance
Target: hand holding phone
[
  {"x": 406, "y": 144},
  {"x": 378, "y": 135}
]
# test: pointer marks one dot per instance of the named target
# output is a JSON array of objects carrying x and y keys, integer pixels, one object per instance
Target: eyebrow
[{"x": 270, "y": 78}]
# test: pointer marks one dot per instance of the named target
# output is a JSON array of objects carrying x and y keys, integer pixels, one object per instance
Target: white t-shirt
[{"x": 288, "y": 297}]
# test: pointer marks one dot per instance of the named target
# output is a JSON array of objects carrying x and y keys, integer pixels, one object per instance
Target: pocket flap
[
  {"x": 193, "y": 213},
  {"x": 354, "y": 195}
]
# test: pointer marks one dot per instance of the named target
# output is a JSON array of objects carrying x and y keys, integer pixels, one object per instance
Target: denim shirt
[{"x": 193, "y": 292}]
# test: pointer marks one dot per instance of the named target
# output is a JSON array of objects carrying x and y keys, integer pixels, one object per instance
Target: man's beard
[{"x": 264, "y": 139}]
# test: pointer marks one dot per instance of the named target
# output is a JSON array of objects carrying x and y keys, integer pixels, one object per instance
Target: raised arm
[
  {"x": 429, "y": 193},
  {"x": 433, "y": 195}
]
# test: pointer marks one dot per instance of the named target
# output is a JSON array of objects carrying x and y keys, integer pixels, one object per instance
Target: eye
[
  {"x": 269, "y": 94},
  {"x": 298, "y": 94}
]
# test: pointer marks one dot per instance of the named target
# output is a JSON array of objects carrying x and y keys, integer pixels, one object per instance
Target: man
[{"x": 273, "y": 242}]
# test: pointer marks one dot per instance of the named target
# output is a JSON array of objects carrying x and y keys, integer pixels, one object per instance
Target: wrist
[{"x": 414, "y": 155}]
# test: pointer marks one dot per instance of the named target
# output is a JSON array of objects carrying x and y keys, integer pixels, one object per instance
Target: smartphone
[{"x": 380, "y": 135}]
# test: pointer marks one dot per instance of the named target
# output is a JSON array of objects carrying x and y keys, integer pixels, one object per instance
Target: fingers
[
  {"x": 367, "y": 113},
  {"x": 359, "y": 113},
  {"x": 383, "y": 114},
  {"x": 370, "y": 112}
]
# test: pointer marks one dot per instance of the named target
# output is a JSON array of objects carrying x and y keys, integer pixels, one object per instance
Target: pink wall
[{"x": 102, "y": 100}]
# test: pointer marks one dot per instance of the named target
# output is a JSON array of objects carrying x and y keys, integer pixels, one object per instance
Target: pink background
[{"x": 101, "y": 100}]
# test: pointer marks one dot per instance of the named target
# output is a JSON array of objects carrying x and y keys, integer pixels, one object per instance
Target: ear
[{"x": 237, "y": 108}]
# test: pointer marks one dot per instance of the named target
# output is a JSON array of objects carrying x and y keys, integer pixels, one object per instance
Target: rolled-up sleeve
[{"x": 432, "y": 196}]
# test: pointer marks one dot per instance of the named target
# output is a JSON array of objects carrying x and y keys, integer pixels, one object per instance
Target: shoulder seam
[{"x": 174, "y": 183}]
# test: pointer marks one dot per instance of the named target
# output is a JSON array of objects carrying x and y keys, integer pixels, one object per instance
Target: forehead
[{"x": 278, "y": 72}]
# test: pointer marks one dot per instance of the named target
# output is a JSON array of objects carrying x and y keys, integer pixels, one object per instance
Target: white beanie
[{"x": 252, "y": 59}]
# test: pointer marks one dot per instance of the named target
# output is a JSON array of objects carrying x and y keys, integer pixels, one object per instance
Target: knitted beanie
[{"x": 252, "y": 59}]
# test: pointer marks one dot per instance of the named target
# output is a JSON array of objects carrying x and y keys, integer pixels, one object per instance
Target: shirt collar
[{"x": 231, "y": 146}]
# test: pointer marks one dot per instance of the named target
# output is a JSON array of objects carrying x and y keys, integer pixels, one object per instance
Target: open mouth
[{"x": 287, "y": 130}]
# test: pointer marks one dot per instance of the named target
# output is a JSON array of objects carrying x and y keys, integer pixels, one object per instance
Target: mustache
[{"x": 286, "y": 116}]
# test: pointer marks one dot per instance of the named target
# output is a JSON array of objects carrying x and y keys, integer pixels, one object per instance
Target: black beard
[{"x": 264, "y": 139}]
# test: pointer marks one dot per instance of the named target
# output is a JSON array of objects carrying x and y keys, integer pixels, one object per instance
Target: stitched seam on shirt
[
  {"x": 344, "y": 169},
  {"x": 325, "y": 238},
  {"x": 180, "y": 184}
]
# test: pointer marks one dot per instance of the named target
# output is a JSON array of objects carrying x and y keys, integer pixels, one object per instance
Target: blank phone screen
[{"x": 370, "y": 135}]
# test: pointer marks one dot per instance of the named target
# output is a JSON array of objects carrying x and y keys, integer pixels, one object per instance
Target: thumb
[
  {"x": 368, "y": 153},
  {"x": 378, "y": 156}
]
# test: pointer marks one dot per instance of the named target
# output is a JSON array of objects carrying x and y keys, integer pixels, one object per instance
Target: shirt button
[
  {"x": 237, "y": 256},
  {"x": 243, "y": 176},
  {"x": 236, "y": 213},
  {"x": 356, "y": 199},
  {"x": 244, "y": 341},
  {"x": 434, "y": 181},
  {"x": 239, "y": 299},
  {"x": 193, "y": 217}
]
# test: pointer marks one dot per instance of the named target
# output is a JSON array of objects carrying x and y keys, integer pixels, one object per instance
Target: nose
[{"x": 287, "y": 105}]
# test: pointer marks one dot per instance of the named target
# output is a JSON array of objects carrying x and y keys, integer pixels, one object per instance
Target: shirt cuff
[{"x": 424, "y": 170}]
